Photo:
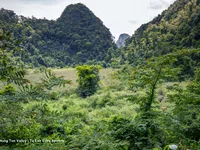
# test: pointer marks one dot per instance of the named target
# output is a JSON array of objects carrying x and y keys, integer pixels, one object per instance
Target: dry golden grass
[
  {"x": 35, "y": 76},
  {"x": 70, "y": 74}
]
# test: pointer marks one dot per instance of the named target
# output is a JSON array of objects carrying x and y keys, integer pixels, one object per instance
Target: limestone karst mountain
[
  {"x": 121, "y": 40},
  {"x": 77, "y": 36}
]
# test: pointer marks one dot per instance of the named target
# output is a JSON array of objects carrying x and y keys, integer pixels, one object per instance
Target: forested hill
[
  {"x": 176, "y": 28},
  {"x": 77, "y": 36}
]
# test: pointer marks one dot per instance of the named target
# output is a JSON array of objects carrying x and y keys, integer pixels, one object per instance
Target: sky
[{"x": 120, "y": 16}]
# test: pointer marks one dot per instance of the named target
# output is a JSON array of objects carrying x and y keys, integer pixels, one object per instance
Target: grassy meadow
[
  {"x": 74, "y": 102},
  {"x": 111, "y": 98},
  {"x": 109, "y": 87},
  {"x": 35, "y": 75}
]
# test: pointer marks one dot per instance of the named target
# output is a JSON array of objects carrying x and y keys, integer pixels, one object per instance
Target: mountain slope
[
  {"x": 88, "y": 31},
  {"x": 176, "y": 28},
  {"x": 77, "y": 36}
]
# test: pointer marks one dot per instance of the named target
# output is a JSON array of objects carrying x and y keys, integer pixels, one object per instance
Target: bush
[
  {"x": 8, "y": 90},
  {"x": 54, "y": 96},
  {"x": 88, "y": 78},
  {"x": 64, "y": 107},
  {"x": 102, "y": 101},
  {"x": 16, "y": 125}
]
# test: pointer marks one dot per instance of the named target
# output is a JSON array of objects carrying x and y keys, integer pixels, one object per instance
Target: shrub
[
  {"x": 54, "y": 96},
  {"x": 8, "y": 90},
  {"x": 102, "y": 101},
  {"x": 88, "y": 78},
  {"x": 64, "y": 107}
]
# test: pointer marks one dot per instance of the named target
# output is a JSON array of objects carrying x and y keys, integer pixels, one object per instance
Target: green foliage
[
  {"x": 175, "y": 29},
  {"x": 11, "y": 69},
  {"x": 147, "y": 124},
  {"x": 100, "y": 102},
  {"x": 182, "y": 126},
  {"x": 124, "y": 116},
  {"x": 41, "y": 90},
  {"x": 8, "y": 90},
  {"x": 88, "y": 78},
  {"x": 150, "y": 74},
  {"x": 109, "y": 55},
  {"x": 107, "y": 120},
  {"x": 144, "y": 132},
  {"x": 64, "y": 107},
  {"x": 15, "y": 125},
  {"x": 54, "y": 95},
  {"x": 186, "y": 110},
  {"x": 74, "y": 38}
]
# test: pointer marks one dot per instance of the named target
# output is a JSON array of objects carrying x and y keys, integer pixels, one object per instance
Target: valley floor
[{"x": 77, "y": 123}]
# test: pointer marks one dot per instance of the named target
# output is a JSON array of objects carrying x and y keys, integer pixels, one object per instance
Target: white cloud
[
  {"x": 133, "y": 21},
  {"x": 43, "y": 2},
  {"x": 159, "y": 4}
]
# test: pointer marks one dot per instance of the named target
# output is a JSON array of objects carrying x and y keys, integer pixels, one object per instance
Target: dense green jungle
[{"x": 65, "y": 85}]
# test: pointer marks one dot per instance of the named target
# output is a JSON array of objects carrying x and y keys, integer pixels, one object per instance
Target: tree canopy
[{"x": 76, "y": 37}]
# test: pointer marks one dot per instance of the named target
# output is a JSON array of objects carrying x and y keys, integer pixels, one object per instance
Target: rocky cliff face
[{"x": 122, "y": 38}]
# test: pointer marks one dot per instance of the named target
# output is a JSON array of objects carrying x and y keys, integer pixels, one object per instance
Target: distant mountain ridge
[
  {"x": 121, "y": 40},
  {"x": 76, "y": 37}
]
